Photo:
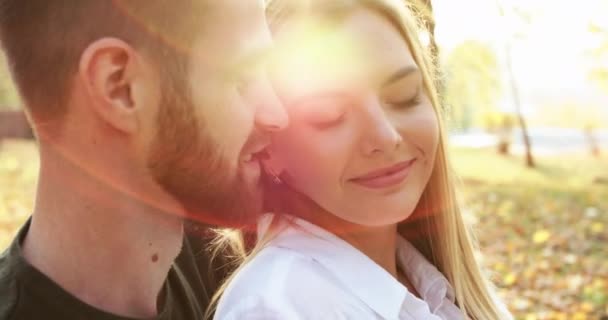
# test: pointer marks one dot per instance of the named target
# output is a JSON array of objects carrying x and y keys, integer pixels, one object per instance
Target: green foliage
[
  {"x": 472, "y": 83},
  {"x": 570, "y": 114},
  {"x": 599, "y": 54}
]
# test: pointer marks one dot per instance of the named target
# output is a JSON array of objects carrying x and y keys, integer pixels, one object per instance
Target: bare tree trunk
[
  {"x": 505, "y": 133},
  {"x": 516, "y": 101},
  {"x": 515, "y": 93},
  {"x": 592, "y": 141}
]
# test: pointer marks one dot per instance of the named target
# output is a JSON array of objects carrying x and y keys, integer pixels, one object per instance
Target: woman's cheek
[
  {"x": 309, "y": 164},
  {"x": 429, "y": 131},
  {"x": 421, "y": 129},
  {"x": 315, "y": 160}
]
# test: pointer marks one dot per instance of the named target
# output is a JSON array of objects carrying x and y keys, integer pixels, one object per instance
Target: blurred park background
[{"x": 525, "y": 84}]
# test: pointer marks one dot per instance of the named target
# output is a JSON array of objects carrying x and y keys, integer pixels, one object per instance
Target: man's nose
[{"x": 270, "y": 114}]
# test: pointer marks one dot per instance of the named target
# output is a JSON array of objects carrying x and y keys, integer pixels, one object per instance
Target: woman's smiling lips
[{"x": 385, "y": 177}]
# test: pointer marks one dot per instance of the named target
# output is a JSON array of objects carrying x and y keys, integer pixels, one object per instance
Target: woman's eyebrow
[{"x": 400, "y": 74}]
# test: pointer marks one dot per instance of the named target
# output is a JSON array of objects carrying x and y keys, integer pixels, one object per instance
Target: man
[{"x": 148, "y": 114}]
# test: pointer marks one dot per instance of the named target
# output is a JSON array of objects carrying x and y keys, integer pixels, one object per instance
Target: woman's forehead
[{"x": 364, "y": 48}]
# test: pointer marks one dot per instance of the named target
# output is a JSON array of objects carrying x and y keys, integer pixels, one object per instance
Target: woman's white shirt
[{"x": 307, "y": 272}]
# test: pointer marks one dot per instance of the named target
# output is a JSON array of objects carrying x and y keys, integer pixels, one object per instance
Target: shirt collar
[
  {"x": 359, "y": 274},
  {"x": 362, "y": 276},
  {"x": 430, "y": 283}
]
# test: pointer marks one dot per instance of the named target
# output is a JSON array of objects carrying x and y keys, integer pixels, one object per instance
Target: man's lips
[{"x": 385, "y": 177}]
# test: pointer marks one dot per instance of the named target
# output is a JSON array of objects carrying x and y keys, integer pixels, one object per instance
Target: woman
[{"x": 365, "y": 221}]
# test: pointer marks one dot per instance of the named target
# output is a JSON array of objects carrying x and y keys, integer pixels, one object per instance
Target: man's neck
[{"x": 102, "y": 245}]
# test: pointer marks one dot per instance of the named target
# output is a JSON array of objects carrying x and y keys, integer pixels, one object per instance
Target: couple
[{"x": 159, "y": 119}]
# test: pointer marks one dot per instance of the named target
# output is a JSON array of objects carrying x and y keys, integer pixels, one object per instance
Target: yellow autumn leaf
[
  {"x": 579, "y": 316},
  {"x": 500, "y": 267},
  {"x": 511, "y": 247},
  {"x": 509, "y": 279},
  {"x": 559, "y": 316},
  {"x": 541, "y": 236},
  {"x": 586, "y": 307},
  {"x": 597, "y": 227}
]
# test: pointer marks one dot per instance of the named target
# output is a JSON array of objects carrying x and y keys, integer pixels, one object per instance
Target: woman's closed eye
[
  {"x": 327, "y": 121},
  {"x": 407, "y": 103},
  {"x": 400, "y": 98},
  {"x": 324, "y": 112}
]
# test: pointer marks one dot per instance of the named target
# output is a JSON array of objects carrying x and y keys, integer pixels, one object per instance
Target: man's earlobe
[{"x": 106, "y": 70}]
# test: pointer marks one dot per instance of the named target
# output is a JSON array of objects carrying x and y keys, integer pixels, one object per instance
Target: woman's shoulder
[
  {"x": 279, "y": 283},
  {"x": 272, "y": 271}
]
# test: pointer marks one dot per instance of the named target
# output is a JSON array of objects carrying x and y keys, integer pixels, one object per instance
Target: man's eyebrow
[{"x": 400, "y": 74}]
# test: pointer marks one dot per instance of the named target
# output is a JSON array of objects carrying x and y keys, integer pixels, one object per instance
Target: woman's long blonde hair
[{"x": 436, "y": 227}]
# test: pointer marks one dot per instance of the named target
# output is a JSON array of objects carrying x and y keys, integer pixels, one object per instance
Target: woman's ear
[{"x": 273, "y": 164}]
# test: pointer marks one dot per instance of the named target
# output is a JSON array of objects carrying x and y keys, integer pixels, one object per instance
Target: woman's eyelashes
[
  {"x": 329, "y": 112},
  {"x": 324, "y": 112},
  {"x": 329, "y": 122},
  {"x": 326, "y": 115},
  {"x": 409, "y": 102},
  {"x": 329, "y": 116}
]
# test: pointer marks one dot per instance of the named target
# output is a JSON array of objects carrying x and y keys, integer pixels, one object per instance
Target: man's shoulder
[
  {"x": 9, "y": 290},
  {"x": 22, "y": 290}
]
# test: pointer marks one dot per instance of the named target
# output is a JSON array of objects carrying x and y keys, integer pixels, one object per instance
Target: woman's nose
[{"x": 380, "y": 135}]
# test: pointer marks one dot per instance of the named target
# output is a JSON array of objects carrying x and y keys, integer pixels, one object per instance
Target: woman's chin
[{"x": 390, "y": 217}]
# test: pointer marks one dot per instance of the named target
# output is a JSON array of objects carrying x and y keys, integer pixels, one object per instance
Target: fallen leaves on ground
[{"x": 544, "y": 241}]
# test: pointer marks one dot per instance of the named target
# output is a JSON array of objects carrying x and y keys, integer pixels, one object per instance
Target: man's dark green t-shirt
[{"x": 26, "y": 293}]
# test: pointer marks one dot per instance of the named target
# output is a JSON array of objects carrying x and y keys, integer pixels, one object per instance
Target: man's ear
[{"x": 110, "y": 70}]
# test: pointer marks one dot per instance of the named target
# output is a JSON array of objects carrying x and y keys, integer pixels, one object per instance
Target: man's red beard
[{"x": 188, "y": 165}]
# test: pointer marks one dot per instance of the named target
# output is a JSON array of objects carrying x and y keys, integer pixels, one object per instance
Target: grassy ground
[{"x": 542, "y": 231}]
